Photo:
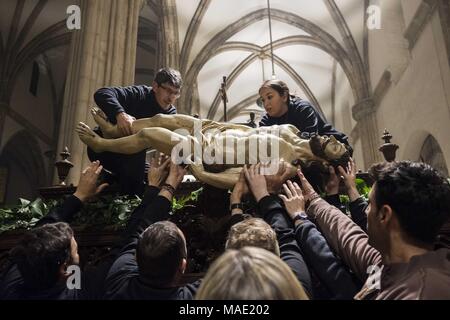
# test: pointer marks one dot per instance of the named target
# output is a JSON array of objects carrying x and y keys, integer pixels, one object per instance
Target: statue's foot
[
  {"x": 89, "y": 137},
  {"x": 108, "y": 129}
]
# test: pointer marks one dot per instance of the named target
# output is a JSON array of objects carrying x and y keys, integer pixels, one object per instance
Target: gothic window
[{"x": 431, "y": 154}]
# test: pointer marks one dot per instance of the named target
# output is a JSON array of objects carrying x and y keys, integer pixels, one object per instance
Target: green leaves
[
  {"x": 363, "y": 188},
  {"x": 105, "y": 211},
  {"x": 25, "y": 215},
  {"x": 178, "y": 204}
]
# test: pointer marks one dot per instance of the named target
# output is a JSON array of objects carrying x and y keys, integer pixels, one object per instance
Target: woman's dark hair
[{"x": 277, "y": 85}]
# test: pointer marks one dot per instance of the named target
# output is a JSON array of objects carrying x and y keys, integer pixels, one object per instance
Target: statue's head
[
  {"x": 330, "y": 149},
  {"x": 333, "y": 149}
]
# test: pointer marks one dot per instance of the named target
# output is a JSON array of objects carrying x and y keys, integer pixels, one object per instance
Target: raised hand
[
  {"x": 349, "y": 176},
  {"x": 275, "y": 182},
  {"x": 294, "y": 199},
  {"x": 159, "y": 170},
  {"x": 240, "y": 189},
  {"x": 256, "y": 181},
  {"x": 87, "y": 186},
  {"x": 332, "y": 186},
  {"x": 308, "y": 191},
  {"x": 176, "y": 174}
]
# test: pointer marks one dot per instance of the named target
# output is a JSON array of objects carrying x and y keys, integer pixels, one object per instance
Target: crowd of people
[{"x": 299, "y": 245}]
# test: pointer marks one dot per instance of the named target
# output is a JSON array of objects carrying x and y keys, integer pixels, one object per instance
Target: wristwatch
[
  {"x": 237, "y": 206},
  {"x": 300, "y": 216}
]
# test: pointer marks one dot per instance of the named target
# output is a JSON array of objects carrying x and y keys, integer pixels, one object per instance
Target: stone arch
[
  {"x": 359, "y": 86},
  {"x": 431, "y": 153},
  {"x": 22, "y": 151},
  {"x": 256, "y": 51}
]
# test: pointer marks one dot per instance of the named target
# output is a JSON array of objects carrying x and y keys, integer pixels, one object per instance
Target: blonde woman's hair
[
  {"x": 250, "y": 273},
  {"x": 253, "y": 232}
]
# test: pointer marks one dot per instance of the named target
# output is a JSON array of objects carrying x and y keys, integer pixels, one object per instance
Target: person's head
[
  {"x": 274, "y": 95},
  {"x": 250, "y": 274},
  {"x": 253, "y": 232},
  {"x": 44, "y": 253},
  {"x": 410, "y": 201},
  {"x": 167, "y": 85},
  {"x": 161, "y": 254}
]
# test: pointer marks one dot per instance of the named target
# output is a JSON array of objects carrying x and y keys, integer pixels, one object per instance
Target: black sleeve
[
  {"x": 125, "y": 263},
  {"x": 264, "y": 122},
  {"x": 63, "y": 213},
  {"x": 158, "y": 210},
  {"x": 305, "y": 117},
  {"x": 150, "y": 195},
  {"x": 275, "y": 215},
  {"x": 335, "y": 200},
  {"x": 114, "y": 100},
  {"x": 358, "y": 212},
  {"x": 332, "y": 273}
]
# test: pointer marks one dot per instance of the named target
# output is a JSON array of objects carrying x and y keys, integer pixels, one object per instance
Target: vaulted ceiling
[{"x": 311, "y": 40}]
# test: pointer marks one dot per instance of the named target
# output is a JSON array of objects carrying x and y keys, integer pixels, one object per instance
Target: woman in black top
[{"x": 283, "y": 108}]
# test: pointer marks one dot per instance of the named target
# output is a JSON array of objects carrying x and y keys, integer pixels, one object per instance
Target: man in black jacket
[
  {"x": 154, "y": 253},
  {"x": 123, "y": 105},
  {"x": 40, "y": 261}
]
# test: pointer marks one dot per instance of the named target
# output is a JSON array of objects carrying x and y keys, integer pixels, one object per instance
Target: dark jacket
[
  {"x": 123, "y": 280},
  {"x": 305, "y": 117},
  {"x": 331, "y": 271},
  {"x": 137, "y": 101},
  {"x": 273, "y": 212},
  {"x": 424, "y": 277},
  {"x": 357, "y": 209}
]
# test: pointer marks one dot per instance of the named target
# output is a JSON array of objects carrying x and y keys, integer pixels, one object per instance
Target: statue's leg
[
  {"x": 162, "y": 139},
  {"x": 168, "y": 121},
  {"x": 171, "y": 122}
]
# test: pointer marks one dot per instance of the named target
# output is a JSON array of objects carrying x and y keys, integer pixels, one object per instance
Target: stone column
[
  {"x": 168, "y": 30},
  {"x": 364, "y": 113},
  {"x": 102, "y": 53},
  {"x": 395, "y": 47}
]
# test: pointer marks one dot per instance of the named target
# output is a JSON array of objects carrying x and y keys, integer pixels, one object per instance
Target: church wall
[
  {"x": 418, "y": 104},
  {"x": 409, "y": 9},
  {"x": 39, "y": 109},
  {"x": 10, "y": 129}
]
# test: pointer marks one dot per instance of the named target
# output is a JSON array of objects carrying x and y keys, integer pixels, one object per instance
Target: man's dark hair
[
  {"x": 41, "y": 252},
  {"x": 160, "y": 251},
  {"x": 170, "y": 76},
  {"x": 418, "y": 194}
]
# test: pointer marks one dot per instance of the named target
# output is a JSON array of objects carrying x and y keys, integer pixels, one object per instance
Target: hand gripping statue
[{"x": 215, "y": 152}]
